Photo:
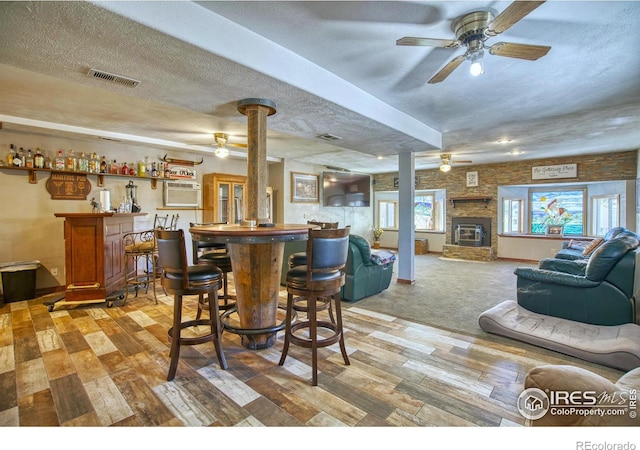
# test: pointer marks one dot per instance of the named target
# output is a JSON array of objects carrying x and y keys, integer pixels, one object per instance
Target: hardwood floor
[{"x": 98, "y": 366}]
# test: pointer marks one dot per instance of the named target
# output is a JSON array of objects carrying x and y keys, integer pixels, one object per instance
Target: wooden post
[{"x": 257, "y": 110}]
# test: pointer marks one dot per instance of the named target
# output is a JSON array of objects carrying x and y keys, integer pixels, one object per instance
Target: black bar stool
[
  {"x": 321, "y": 279},
  {"x": 213, "y": 254},
  {"x": 178, "y": 278}
]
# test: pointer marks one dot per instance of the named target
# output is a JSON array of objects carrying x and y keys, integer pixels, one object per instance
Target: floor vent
[{"x": 113, "y": 78}]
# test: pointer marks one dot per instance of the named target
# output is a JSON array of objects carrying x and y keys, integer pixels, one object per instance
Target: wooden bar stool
[
  {"x": 179, "y": 279},
  {"x": 321, "y": 279},
  {"x": 140, "y": 247}
]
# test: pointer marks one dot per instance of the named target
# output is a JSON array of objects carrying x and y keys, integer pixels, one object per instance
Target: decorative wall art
[
  {"x": 472, "y": 179},
  {"x": 304, "y": 188}
]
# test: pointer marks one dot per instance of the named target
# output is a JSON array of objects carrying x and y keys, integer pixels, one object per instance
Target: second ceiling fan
[{"x": 473, "y": 29}]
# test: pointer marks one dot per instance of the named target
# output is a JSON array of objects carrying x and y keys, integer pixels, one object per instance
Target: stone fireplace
[{"x": 469, "y": 238}]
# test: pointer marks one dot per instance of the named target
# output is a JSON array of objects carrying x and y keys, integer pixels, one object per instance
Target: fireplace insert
[{"x": 469, "y": 234}]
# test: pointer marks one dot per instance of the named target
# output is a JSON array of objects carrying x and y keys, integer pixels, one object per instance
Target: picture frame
[
  {"x": 554, "y": 230},
  {"x": 305, "y": 188},
  {"x": 472, "y": 179}
]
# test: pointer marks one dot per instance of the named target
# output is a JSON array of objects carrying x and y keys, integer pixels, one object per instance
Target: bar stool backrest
[
  {"x": 173, "y": 255},
  {"x": 327, "y": 250}
]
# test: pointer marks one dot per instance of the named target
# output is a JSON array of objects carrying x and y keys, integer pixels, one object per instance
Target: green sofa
[
  {"x": 601, "y": 291},
  {"x": 364, "y": 277}
]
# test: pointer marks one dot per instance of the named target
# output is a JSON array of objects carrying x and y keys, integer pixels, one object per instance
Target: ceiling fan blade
[
  {"x": 510, "y": 16},
  {"x": 461, "y": 161},
  {"x": 427, "y": 42},
  {"x": 520, "y": 51},
  {"x": 446, "y": 70},
  {"x": 231, "y": 144}
]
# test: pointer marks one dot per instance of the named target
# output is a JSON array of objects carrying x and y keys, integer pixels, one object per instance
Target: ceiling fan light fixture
[
  {"x": 445, "y": 167},
  {"x": 477, "y": 63},
  {"x": 222, "y": 152}
]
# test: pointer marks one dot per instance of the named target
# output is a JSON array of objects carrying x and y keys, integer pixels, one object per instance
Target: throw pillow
[{"x": 592, "y": 246}]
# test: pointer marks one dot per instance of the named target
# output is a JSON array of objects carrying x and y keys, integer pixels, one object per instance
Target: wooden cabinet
[
  {"x": 224, "y": 198},
  {"x": 94, "y": 255}
]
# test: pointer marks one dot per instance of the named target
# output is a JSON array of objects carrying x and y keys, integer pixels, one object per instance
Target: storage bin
[{"x": 19, "y": 280}]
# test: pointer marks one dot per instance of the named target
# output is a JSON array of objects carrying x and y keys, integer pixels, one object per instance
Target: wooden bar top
[
  {"x": 106, "y": 214},
  {"x": 241, "y": 234}
]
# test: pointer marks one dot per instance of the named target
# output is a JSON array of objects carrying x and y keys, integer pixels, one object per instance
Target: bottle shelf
[{"x": 32, "y": 174}]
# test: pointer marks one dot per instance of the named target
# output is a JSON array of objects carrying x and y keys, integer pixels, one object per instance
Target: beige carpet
[{"x": 448, "y": 293}]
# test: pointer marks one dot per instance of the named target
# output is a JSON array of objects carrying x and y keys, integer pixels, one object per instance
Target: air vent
[
  {"x": 113, "y": 78},
  {"x": 329, "y": 137}
]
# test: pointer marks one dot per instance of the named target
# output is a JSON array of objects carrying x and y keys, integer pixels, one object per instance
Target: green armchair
[
  {"x": 364, "y": 277},
  {"x": 600, "y": 292}
]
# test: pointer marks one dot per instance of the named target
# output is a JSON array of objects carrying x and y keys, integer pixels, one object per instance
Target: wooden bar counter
[
  {"x": 94, "y": 256},
  {"x": 256, "y": 258}
]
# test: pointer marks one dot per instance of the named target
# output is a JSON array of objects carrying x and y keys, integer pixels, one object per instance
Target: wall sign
[
  {"x": 68, "y": 186},
  {"x": 558, "y": 171},
  {"x": 182, "y": 172}
]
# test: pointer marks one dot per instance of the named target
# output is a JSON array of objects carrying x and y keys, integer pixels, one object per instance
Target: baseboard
[{"x": 530, "y": 261}]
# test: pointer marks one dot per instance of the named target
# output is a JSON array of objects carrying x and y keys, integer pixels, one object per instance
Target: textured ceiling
[{"x": 331, "y": 67}]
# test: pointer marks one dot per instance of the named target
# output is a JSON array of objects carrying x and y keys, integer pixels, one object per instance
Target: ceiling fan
[
  {"x": 447, "y": 162},
  {"x": 473, "y": 29},
  {"x": 222, "y": 140}
]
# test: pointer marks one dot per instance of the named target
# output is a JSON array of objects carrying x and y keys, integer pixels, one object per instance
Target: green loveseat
[{"x": 364, "y": 277}]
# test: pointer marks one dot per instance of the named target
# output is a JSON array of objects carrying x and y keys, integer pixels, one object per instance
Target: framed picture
[
  {"x": 472, "y": 179},
  {"x": 554, "y": 230},
  {"x": 304, "y": 188}
]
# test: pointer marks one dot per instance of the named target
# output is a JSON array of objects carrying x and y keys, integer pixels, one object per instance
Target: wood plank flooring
[{"x": 97, "y": 366}]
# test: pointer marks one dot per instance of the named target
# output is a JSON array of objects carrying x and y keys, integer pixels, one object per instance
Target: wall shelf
[
  {"x": 32, "y": 175},
  {"x": 454, "y": 200}
]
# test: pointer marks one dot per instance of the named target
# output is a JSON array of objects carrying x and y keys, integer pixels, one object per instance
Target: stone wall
[{"x": 595, "y": 167}]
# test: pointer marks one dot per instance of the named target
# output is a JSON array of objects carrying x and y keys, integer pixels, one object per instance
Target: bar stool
[
  {"x": 179, "y": 279},
  {"x": 321, "y": 278},
  {"x": 300, "y": 259},
  {"x": 212, "y": 254},
  {"x": 139, "y": 246}
]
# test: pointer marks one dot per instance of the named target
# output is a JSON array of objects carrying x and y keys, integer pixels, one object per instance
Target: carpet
[{"x": 448, "y": 293}]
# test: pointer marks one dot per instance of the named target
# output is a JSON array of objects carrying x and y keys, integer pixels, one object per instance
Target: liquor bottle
[
  {"x": 167, "y": 172},
  {"x": 94, "y": 163},
  {"x": 38, "y": 159},
  {"x": 12, "y": 151},
  {"x": 18, "y": 158},
  {"x": 114, "y": 168},
  {"x": 103, "y": 165},
  {"x": 60, "y": 162},
  {"x": 147, "y": 166},
  {"x": 47, "y": 161},
  {"x": 132, "y": 169},
  {"x": 142, "y": 169},
  {"x": 125, "y": 169},
  {"x": 83, "y": 163},
  {"x": 28, "y": 161},
  {"x": 154, "y": 170},
  {"x": 72, "y": 162}
]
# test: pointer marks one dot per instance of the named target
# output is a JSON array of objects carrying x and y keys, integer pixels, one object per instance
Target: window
[
  {"x": 428, "y": 212},
  {"x": 605, "y": 210},
  {"x": 558, "y": 207},
  {"x": 387, "y": 214},
  {"x": 424, "y": 212},
  {"x": 512, "y": 216}
]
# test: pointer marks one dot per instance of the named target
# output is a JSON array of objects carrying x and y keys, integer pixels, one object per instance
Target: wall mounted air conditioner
[{"x": 181, "y": 193}]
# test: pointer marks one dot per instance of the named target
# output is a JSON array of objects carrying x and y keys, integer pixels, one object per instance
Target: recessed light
[
  {"x": 380, "y": 157},
  {"x": 515, "y": 151},
  {"x": 504, "y": 140}
]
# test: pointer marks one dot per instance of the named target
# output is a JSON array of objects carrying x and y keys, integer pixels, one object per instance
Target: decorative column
[{"x": 257, "y": 110}]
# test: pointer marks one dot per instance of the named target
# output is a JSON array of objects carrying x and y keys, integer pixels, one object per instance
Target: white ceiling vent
[
  {"x": 329, "y": 137},
  {"x": 113, "y": 78}
]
